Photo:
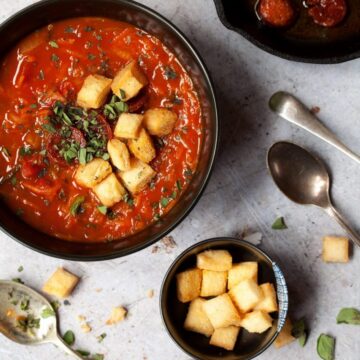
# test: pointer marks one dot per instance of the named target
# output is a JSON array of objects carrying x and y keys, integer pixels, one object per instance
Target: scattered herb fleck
[
  {"x": 18, "y": 280},
  {"x": 46, "y": 313},
  {"x": 20, "y": 268},
  {"x": 53, "y": 44},
  {"x": 76, "y": 205},
  {"x": 83, "y": 352},
  {"x": 55, "y": 305},
  {"x": 169, "y": 73},
  {"x": 24, "y": 304},
  {"x": 102, "y": 209},
  {"x": 101, "y": 337},
  {"x": 279, "y": 224},
  {"x": 69, "y": 30},
  {"x": 98, "y": 357},
  {"x": 69, "y": 337}
]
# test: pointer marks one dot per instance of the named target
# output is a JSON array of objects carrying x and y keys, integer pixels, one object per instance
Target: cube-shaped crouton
[
  {"x": 117, "y": 314},
  {"x": 257, "y": 322},
  {"x": 109, "y": 191},
  {"x": 119, "y": 154},
  {"x": 196, "y": 319},
  {"x": 160, "y": 121},
  {"x": 246, "y": 295},
  {"x": 285, "y": 337},
  {"x": 128, "y": 126},
  {"x": 61, "y": 283},
  {"x": 242, "y": 271},
  {"x": 129, "y": 81},
  {"x": 215, "y": 260},
  {"x": 94, "y": 91},
  {"x": 335, "y": 249},
  {"x": 213, "y": 283},
  {"x": 268, "y": 302},
  {"x": 222, "y": 312},
  {"x": 225, "y": 337},
  {"x": 143, "y": 147},
  {"x": 188, "y": 285},
  {"x": 92, "y": 173},
  {"x": 139, "y": 175}
]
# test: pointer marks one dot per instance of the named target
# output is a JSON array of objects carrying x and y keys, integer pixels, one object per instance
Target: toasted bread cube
[
  {"x": 92, "y": 173},
  {"x": 61, "y": 283},
  {"x": 268, "y": 302},
  {"x": 119, "y": 154},
  {"x": 285, "y": 337},
  {"x": 117, "y": 314},
  {"x": 160, "y": 121},
  {"x": 215, "y": 260},
  {"x": 257, "y": 322},
  {"x": 128, "y": 126},
  {"x": 129, "y": 81},
  {"x": 188, "y": 285},
  {"x": 139, "y": 175},
  {"x": 222, "y": 312},
  {"x": 242, "y": 271},
  {"x": 94, "y": 91},
  {"x": 225, "y": 337},
  {"x": 196, "y": 319},
  {"x": 109, "y": 191},
  {"x": 335, "y": 249},
  {"x": 213, "y": 283},
  {"x": 246, "y": 295},
  {"x": 142, "y": 147}
]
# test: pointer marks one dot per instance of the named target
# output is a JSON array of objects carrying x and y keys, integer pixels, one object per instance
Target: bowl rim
[
  {"x": 232, "y": 240},
  {"x": 213, "y": 100},
  {"x": 281, "y": 54}
]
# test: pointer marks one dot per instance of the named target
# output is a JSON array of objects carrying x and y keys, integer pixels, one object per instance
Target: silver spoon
[
  {"x": 292, "y": 110},
  {"x": 13, "y": 298},
  {"x": 304, "y": 180}
]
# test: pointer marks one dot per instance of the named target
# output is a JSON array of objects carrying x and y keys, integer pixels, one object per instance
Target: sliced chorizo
[
  {"x": 327, "y": 13},
  {"x": 277, "y": 13}
]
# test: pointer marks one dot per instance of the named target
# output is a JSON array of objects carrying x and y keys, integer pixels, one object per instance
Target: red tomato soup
[{"x": 57, "y": 171}]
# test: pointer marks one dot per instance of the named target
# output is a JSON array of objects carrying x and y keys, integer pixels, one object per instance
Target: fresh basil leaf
[
  {"x": 69, "y": 337},
  {"x": 46, "y": 313},
  {"x": 279, "y": 224},
  {"x": 302, "y": 339},
  {"x": 75, "y": 206},
  {"x": 326, "y": 347},
  {"x": 350, "y": 316},
  {"x": 102, "y": 209}
]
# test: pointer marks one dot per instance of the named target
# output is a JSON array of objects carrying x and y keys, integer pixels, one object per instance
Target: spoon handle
[
  {"x": 59, "y": 342},
  {"x": 339, "y": 218},
  {"x": 292, "y": 110}
]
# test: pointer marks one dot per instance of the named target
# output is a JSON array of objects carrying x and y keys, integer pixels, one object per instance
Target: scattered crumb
[
  {"x": 98, "y": 290},
  {"x": 86, "y": 328},
  {"x": 315, "y": 110},
  {"x": 150, "y": 293},
  {"x": 81, "y": 318},
  {"x": 10, "y": 313},
  {"x": 254, "y": 238},
  {"x": 169, "y": 243},
  {"x": 67, "y": 302},
  {"x": 117, "y": 314},
  {"x": 155, "y": 249}
]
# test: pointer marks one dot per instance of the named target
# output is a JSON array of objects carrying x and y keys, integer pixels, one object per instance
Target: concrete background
[{"x": 240, "y": 196}]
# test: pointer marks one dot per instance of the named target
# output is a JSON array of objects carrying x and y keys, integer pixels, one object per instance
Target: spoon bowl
[
  {"x": 304, "y": 179},
  {"x": 27, "y": 318}
]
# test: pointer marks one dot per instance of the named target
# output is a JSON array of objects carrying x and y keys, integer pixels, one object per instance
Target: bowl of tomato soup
[{"x": 109, "y": 128}]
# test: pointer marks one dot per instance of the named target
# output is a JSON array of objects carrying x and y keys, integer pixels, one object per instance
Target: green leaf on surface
[
  {"x": 102, "y": 209},
  {"x": 48, "y": 312},
  {"x": 76, "y": 205},
  {"x": 69, "y": 337},
  {"x": 326, "y": 347},
  {"x": 279, "y": 224},
  {"x": 350, "y": 316}
]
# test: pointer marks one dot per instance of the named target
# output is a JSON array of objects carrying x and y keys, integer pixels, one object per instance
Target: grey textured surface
[{"x": 240, "y": 195}]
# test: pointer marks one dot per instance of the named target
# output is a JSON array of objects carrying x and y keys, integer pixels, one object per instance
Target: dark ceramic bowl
[
  {"x": 304, "y": 42},
  {"x": 174, "y": 312},
  {"x": 45, "y": 12}
]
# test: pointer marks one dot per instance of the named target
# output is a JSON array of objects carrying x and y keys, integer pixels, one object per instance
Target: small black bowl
[
  {"x": 174, "y": 312},
  {"x": 44, "y": 12},
  {"x": 304, "y": 42}
]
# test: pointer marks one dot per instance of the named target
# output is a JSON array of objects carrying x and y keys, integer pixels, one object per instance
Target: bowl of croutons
[{"x": 224, "y": 298}]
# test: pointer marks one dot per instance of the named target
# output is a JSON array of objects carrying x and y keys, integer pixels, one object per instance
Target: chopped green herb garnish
[
  {"x": 18, "y": 280},
  {"x": 69, "y": 337},
  {"x": 188, "y": 172},
  {"x": 69, "y": 30},
  {"x": 91, "y": 57},
  {"x": 82, "y": 156},
  {"x": 170, "y": 73},
  {"x": 43, "y": 152},
  {"x": 106, "y": 156},
  {"x": 98, "y": 357},
  {"x": 122, "y": 94},
  {"x": 20, "y": 268},
  {"x": 178, "y": 185},
  {"x": 88, "y": 28},
  {"x": 279, "y": 224},
  {"x": 33, "y": 106},
  {"x": 24, "y": 304},
  {"x": 49, "y": 127},
  {"x": 55, "y": 305},
  {"x": 177, "y": 101},
  {"x": 101, "y": 337},
  {"x": 83, "y": 352},
  {"x": 174, "y": 195},
  {"x": 53, "y": 44},
  {"x": 46, "y": 313},
  {"x": 55, "y": 58},
  {"x": 25, "y": 150},
  {"x": 157, "y": 217},
  {"x": 13, "y": 181},
  {"x": 129, "y": 200},
  {"x": 76, "y": 205},
  {"x": 102, "y": 209},
  {"x": 164, "y": 202},
  {"x": 28, "y": 323}
]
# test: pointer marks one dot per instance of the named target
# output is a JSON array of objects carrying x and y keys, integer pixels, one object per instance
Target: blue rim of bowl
[
  {"x": 281, "y": 287},
  {"x": 201, "y": 63}
]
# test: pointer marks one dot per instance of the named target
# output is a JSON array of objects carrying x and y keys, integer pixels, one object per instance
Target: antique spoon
[
  {"x": 304, "y": 180},
  {"x": 292, "y": 110},
  {"x": 26, "y": 317}
]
